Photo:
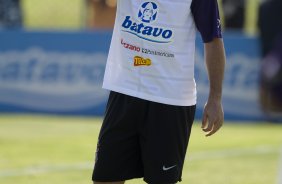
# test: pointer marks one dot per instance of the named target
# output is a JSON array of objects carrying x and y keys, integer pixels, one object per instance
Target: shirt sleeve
[{"x": 207, "y": 19}]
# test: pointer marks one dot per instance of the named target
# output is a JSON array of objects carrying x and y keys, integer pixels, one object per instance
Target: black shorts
[{"x": 140, "y": 138}]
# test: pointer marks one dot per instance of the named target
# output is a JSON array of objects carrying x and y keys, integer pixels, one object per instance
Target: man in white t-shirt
[{"x": 150, "y": 73}]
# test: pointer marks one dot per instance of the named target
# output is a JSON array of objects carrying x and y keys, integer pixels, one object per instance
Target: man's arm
[{"x": 213, "y": 116}]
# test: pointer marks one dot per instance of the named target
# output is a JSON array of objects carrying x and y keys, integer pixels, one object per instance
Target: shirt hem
[{"x": 167, "y": 101}]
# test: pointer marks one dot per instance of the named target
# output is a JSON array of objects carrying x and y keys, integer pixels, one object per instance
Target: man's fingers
[
  {"x": 212, "y": 118},
  {"x": 209, "y": 127},
  {"x": 216, "y": 127},
  {"x": 204, "y": 121}
]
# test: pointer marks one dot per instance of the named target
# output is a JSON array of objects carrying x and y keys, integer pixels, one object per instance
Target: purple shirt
[{"x": 207, "y": 19}]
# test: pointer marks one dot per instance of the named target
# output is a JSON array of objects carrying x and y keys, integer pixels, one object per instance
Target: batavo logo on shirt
[
  {"x": 147, "y": 13},
  {"x": 140, "y": 61}
]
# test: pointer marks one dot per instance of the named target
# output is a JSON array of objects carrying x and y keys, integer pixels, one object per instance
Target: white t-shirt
[{"x": 152, "y": 51}]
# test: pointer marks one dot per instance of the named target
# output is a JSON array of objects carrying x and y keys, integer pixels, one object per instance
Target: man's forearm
[{"x": 215, "y": 62}]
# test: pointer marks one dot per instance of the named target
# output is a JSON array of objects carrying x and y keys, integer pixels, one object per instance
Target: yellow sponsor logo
[{"x": 139, "y": 61}]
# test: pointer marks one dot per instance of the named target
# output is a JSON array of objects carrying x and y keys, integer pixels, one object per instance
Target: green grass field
[
  {"x": 54, "y": 14},
  {"x": 60, "y": 150},
  {"x": 72, "y": 14}
]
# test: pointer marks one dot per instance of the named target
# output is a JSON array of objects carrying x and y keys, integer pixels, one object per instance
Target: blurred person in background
[
  {"x": 270, "y": 25},
  {"x": 102, "y": 13},
  {"x": 234, "y": 13},
  {"x": 10, "y": 14}
]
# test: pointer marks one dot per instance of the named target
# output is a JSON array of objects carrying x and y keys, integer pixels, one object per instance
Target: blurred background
[{"x": 52, "y": 60}]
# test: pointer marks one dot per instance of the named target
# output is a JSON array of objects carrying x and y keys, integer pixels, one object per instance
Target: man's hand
[{"x": 213, "y": 117}]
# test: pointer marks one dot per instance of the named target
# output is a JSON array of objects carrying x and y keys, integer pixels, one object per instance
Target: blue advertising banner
[
  {"x": 61, "y": 73},
  {"x": 53, "y": 72}
]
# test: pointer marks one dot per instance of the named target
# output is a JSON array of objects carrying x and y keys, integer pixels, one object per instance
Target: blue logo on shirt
[{"x": 147, "y": 14}]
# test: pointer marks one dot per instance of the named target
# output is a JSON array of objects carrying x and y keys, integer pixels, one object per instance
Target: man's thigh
[
  {"x": 164, "y": 142},
  {"x": 118, "y": 154}
]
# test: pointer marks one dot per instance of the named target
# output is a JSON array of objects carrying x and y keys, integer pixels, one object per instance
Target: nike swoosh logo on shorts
[{"x": 168, "y": 168}]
